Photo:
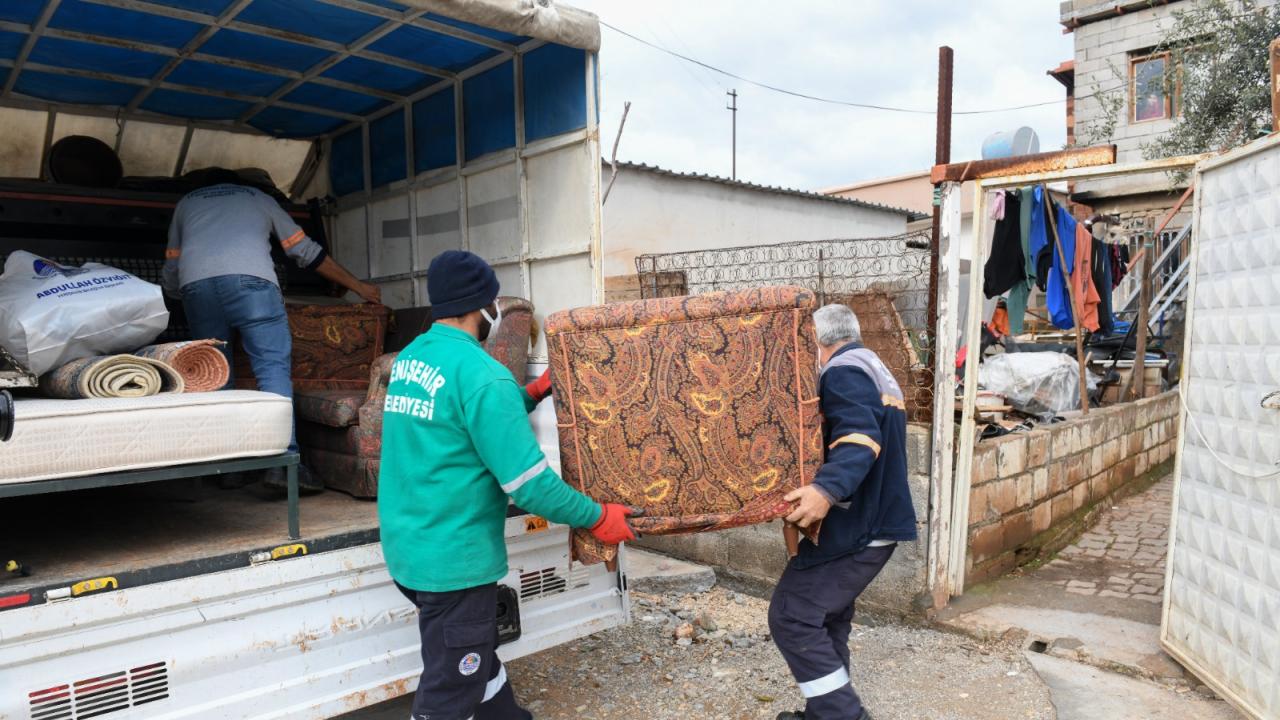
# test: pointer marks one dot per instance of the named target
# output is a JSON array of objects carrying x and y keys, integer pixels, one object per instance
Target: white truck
[{"x": 431, "y": 125}]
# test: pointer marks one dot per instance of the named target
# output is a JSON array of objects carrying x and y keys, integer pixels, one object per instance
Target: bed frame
[{"x": 289, "y": 461}]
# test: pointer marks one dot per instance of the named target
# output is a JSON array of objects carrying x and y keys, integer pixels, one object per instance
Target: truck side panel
[
  {"x": 310, "y": 637},
  {"x": 527, "y": 201}
]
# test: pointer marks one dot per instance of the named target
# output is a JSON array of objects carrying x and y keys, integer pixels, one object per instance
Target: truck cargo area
[{"x": 142, "y": 534}]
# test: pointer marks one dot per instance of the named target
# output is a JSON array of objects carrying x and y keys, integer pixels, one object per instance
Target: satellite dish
[{"x": 1010, "y": 143}]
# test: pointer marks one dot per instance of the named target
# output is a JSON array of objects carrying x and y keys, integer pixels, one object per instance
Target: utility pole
[{"x": 733, "y": 108}]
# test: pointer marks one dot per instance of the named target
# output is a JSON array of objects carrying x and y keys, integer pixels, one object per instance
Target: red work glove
[
  {"x": 612, "y": 527},
  {"x": 539, "y": 389}
]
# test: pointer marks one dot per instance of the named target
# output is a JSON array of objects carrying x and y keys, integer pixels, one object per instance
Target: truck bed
[{"x": 161, "y": 531}]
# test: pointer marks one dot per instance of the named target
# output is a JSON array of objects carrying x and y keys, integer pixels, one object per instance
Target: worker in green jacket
[{"x": 456, "y": 443}]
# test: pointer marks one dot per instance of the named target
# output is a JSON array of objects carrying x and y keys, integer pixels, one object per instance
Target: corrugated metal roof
[{"x": 773, "y": 189}]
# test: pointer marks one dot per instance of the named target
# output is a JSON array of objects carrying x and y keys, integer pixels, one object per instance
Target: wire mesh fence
[{"x": 884, "y": 280}]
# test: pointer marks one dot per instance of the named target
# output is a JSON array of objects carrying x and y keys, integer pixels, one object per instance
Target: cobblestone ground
[{"x": 1123, "y": 556}]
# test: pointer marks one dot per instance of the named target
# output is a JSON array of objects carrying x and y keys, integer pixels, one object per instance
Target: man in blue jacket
[{"x": 862, "y": 498}]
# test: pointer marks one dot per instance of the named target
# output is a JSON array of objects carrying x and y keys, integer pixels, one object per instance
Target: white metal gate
[{"x": 1222, "y": 594}]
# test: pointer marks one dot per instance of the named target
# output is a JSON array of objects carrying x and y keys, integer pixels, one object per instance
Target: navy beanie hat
[{"x": 459, "y": 282}]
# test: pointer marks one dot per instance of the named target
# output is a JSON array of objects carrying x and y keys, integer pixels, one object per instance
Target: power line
[{"x": 831, "y": 101}]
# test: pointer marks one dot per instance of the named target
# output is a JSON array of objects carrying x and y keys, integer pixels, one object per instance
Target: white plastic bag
[
  {"x": 1037, "y": 383},
  {"x": 51, "y": 314}
]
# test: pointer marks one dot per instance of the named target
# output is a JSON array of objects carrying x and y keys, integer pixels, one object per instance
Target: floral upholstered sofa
[{"x": 340, "y": 430}]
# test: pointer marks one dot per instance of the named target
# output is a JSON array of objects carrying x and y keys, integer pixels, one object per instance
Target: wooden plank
[
  {"x": 959, "y": 530},
  {"x": 944, "y": 391}
]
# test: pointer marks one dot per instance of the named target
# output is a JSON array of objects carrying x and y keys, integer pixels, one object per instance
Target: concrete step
[
  {"x": 651, "y": 572},
  {"x": 1081, "y": 692},
  {"x": 1112, "y": 643}
]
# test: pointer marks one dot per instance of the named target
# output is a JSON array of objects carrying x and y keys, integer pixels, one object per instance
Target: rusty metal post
[
  {"x": 1273, "y": 50},
  {"x": 822, "y": 282},
  {"x": 942, "y": 156}
]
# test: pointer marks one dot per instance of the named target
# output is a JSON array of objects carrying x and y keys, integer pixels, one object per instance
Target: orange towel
[{"x": 1082, "y": 280}]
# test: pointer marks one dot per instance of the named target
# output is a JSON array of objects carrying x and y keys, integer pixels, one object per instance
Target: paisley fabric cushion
[
  {"x": 702, "y": 410},
  {"x": 333, "y": 346},
  {"x": 510, "y": 345}
]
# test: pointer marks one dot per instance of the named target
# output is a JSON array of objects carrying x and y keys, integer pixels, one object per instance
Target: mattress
[
  {"x": 69, "y": 438},
  {"x": 702, "y": 410}
]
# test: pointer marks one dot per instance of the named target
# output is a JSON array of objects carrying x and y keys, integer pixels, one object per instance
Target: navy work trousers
[
  {"x": 462, "y": 677},
  {"x": 810, "y": 617}
]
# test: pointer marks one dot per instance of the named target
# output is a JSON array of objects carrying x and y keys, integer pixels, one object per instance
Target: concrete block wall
[
  {"x": 1110, "y": 42},
  {"x": 757, "y": 553},
  {"x": 1029, "y": 491}
]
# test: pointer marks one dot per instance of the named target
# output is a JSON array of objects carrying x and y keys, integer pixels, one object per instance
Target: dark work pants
[
  {"x": 810, "y": 617},
  {"x": 462, "y": 677}
]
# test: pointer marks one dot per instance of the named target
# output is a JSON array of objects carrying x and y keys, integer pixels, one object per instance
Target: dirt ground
[{"x": 730, "y": 670}]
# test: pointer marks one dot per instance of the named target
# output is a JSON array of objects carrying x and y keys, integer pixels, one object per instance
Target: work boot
[
  {"x": 276, "y": 479},
  {"x": 799, "y": 715}
]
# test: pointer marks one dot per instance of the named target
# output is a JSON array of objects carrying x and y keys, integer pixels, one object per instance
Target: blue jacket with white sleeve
[{"x": 864, "y": 473}]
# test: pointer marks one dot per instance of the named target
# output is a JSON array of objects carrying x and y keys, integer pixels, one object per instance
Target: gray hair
[{"x": 836, "y": 324}]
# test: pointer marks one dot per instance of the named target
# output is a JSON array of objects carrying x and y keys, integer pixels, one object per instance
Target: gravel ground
[{"x": 709, "y": 656}]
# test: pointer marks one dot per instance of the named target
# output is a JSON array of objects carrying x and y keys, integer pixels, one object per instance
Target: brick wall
[{"x": 1031, "y": 491}]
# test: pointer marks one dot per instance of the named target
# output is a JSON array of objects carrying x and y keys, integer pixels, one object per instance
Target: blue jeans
[{"x": 221, "y": 307}]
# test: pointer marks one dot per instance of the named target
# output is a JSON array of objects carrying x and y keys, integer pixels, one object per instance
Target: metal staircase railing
[{"x": 1173, "y": 255}]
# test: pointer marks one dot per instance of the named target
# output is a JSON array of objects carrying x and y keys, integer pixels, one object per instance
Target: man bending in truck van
[
  {"x": 219, "y": 262},
  {"x": 456, "y": 443},
  {"x": 861, "y": 496}
]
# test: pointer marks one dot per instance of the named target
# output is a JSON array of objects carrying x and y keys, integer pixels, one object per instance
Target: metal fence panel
[{"x": 885, "y": 280}]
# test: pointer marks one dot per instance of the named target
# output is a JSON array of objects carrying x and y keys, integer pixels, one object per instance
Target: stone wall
[
  {"x": 757, "y": 553},
  {"x": 1032, "y": 492}
]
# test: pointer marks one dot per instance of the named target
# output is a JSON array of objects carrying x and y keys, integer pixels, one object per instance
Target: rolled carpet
[
  {"x": 111, "y": 376},
  {"x": 201, "y": 363}
]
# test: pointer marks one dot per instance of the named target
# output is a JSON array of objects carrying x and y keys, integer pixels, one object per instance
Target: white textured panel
[
  {"x": 280, "y": 158},
  {"x": 21, "y": 141},
  {"x": 559, "y": 221},
  {"x": 439, "y": 222},
  {"x": 1224, "y": 593},
  {"x": 398, "y": 295},
  {"x": 102, "y": 128},
  {"x": 67, "y": 438},
  {"x": 558, "y": 284},
  {"x": 151, "y": 148},
  {"x": 493, "y": 203},
  {"x": 389, "y": 228},
  {"x": 509, "y": 279},
  {"x": 350, "y": 241}
]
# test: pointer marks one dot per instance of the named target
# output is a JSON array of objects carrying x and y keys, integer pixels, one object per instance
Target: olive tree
[{"x": 1220, "y": 75}]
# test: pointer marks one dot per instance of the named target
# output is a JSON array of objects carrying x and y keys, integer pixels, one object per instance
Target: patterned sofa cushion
[
  {"x": 702, "y": 410},
  {"x": 335, "y": 408}
]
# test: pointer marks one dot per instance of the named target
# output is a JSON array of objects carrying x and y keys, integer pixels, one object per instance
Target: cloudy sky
[{"x": 883, "y": 52}]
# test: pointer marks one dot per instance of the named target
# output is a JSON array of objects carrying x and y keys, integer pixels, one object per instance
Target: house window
[{"x": 1152, "y": 89}]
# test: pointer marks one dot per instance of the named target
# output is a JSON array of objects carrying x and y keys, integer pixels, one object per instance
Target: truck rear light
[{"x": 13, "y": 601}]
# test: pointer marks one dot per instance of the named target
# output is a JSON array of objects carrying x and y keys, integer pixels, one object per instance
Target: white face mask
[{"x": 494, "y": 322}]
